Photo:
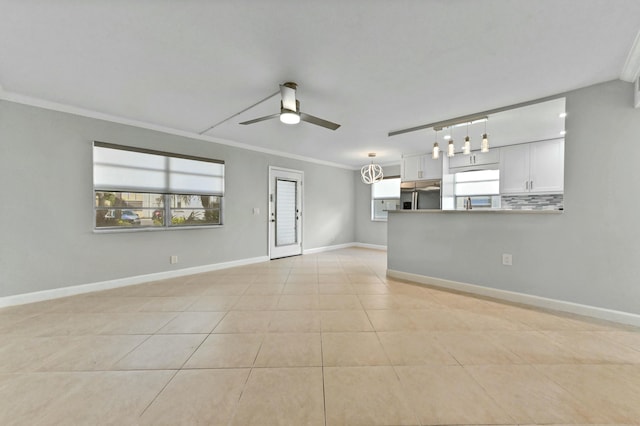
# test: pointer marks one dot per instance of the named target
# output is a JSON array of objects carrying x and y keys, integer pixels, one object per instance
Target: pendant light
[
  {"x": 466, "y": 148},
  {"x": 371, "y": 173},
  {"x": 484, "y": 147},
  {"x": 435, "y": 154},
  {"x": 451, "y": 149}
]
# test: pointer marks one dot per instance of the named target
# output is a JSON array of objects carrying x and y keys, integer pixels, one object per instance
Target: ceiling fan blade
[
  {"x": 257, "y": 120},
  {"x": 288, "y": 92},
  {"x": 318, "y": 121}
]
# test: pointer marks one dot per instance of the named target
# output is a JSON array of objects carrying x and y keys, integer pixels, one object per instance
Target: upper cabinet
[
  {"x": 420, "y": 167},
  {"x": 476, "y": 158},
  {"x": 532, "y": 168}
]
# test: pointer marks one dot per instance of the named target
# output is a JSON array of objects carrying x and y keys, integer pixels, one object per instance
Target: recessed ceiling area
[{"x": 371, "y": 66}]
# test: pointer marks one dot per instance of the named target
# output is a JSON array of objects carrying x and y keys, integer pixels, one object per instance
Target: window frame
[
  {"x": 374, "y": 199},
  {"x": 167, "y": 196}
]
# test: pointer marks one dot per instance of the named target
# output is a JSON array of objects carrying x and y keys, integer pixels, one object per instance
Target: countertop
[{"x": 472, "y": 211}]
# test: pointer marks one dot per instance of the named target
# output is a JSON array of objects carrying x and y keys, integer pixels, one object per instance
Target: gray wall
[
  {"x": 589, "y": 254},
  {"x": 46, "y": 219},
  {"x": 368, "y": 231}
]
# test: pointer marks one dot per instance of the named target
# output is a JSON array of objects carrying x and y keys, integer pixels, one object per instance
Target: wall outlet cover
[{"x": 507, "y": 259}]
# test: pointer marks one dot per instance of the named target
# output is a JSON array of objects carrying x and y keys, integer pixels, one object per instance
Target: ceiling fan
[{"x": 290, "y": 110}]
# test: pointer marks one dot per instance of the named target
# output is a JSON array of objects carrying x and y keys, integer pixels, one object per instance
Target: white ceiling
[{"x": 372, "y": 66}]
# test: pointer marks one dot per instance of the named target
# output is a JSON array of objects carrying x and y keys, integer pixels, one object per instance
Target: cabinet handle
[
  {"x": 531, "y": 185},
  {"x": 526, "y": 185}
]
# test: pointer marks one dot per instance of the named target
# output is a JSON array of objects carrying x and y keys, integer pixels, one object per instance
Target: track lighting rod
[
  {"x": 451, "y": 123},
  {"x": 467, "y": 118}
]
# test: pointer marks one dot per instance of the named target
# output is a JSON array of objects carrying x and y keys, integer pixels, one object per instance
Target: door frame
[{"x": 271, "y": 204}]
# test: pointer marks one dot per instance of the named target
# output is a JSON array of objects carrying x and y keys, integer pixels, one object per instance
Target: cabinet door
[
  {"x": 431, "y": 169},
  {"x": 514, "y": 169},
  {"x": 546, "y": 170},
  {"x": 460, "y": 160},
  {"x": 411, "y": 167},
  {"x": 491, "y": 157}
]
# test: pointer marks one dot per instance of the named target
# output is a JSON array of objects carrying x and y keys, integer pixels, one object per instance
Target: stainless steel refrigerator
[{"x": 420, "y": 195}]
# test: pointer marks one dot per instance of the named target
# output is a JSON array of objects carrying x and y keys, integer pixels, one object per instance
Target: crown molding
[
  {"x": 631, "y": 69},
  {"x": 83, "y": 112}
]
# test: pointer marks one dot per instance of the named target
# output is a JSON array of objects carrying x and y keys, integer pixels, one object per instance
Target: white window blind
[
  {"x": 118, "y": 168},
  {"x": 480, "y": 182},
  {"x": 286, "y": 212},
  {"x": 385, "y": 189}
]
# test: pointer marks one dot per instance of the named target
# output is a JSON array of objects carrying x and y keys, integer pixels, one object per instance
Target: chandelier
[{"x": 371, "y": 173}]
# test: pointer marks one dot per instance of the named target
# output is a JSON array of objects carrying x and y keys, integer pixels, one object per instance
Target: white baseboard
[
  {"x": 343, "y": 246},
  {"x": 370, "y": 246},
  {"x": 56, "y": 293},
  {"x": 526, "y": 299},
  {"x": 327, "y": 248}
]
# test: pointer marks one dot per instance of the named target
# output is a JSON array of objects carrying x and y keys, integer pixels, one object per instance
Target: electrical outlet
[
  {"x": 507, "y": 259},
  {"x": 256, "y": 211},
  {"x": 173, "y": 259}
]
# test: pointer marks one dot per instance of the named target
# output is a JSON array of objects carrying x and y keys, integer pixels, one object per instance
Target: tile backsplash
[{"x": 533, "y": 202}]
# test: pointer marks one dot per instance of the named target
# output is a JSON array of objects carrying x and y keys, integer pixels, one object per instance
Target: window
[
  {"x": 481, "y": 187},
  {"x": 137, "y": 188},
  {"x": 385, "y": 196}
]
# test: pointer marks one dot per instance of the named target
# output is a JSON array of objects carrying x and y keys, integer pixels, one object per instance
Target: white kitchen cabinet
[
  {"x": 514, "y": 169},
  {"x": 536, "y": 167},
  {"x": 547, "y": 166},
  {"x": 476, "y": 158},
  {"x": 420, "y": 167}
]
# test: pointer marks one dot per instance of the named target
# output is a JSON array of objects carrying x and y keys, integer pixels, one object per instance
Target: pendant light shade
[
  {"x": 451, "y": 150},
  {"x": 466, "y": 148},
  {"x": 435, "y": 154},
  {"x": 484, "y": 147},
  {"x": 371, "y": 173}
]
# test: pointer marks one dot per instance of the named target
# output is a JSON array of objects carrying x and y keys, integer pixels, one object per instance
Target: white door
[{"x": 285, "y": 212}]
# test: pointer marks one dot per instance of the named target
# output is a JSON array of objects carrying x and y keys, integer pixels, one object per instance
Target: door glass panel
[{"x": 285, "y": 212}]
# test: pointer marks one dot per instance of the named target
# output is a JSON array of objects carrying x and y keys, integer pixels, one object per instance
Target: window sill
[{"x": 158, "y": 229}]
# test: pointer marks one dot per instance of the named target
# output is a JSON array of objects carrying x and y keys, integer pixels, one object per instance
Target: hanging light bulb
[
  {"x": 484, "y": 147},
  {"x": 451, "y": 149},
  {"x": 371, "y": 173},
  {"x": 435, "y": 154},
  {"x": 466, "y": 148}
]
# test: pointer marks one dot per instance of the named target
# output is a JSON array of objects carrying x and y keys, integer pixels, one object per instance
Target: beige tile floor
[{"x": 320, "y": 339}]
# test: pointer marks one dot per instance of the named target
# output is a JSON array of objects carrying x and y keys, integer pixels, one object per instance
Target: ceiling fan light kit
[
  {"x": 289, "y": 117},
  {"x": 290, "y": 110}
]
